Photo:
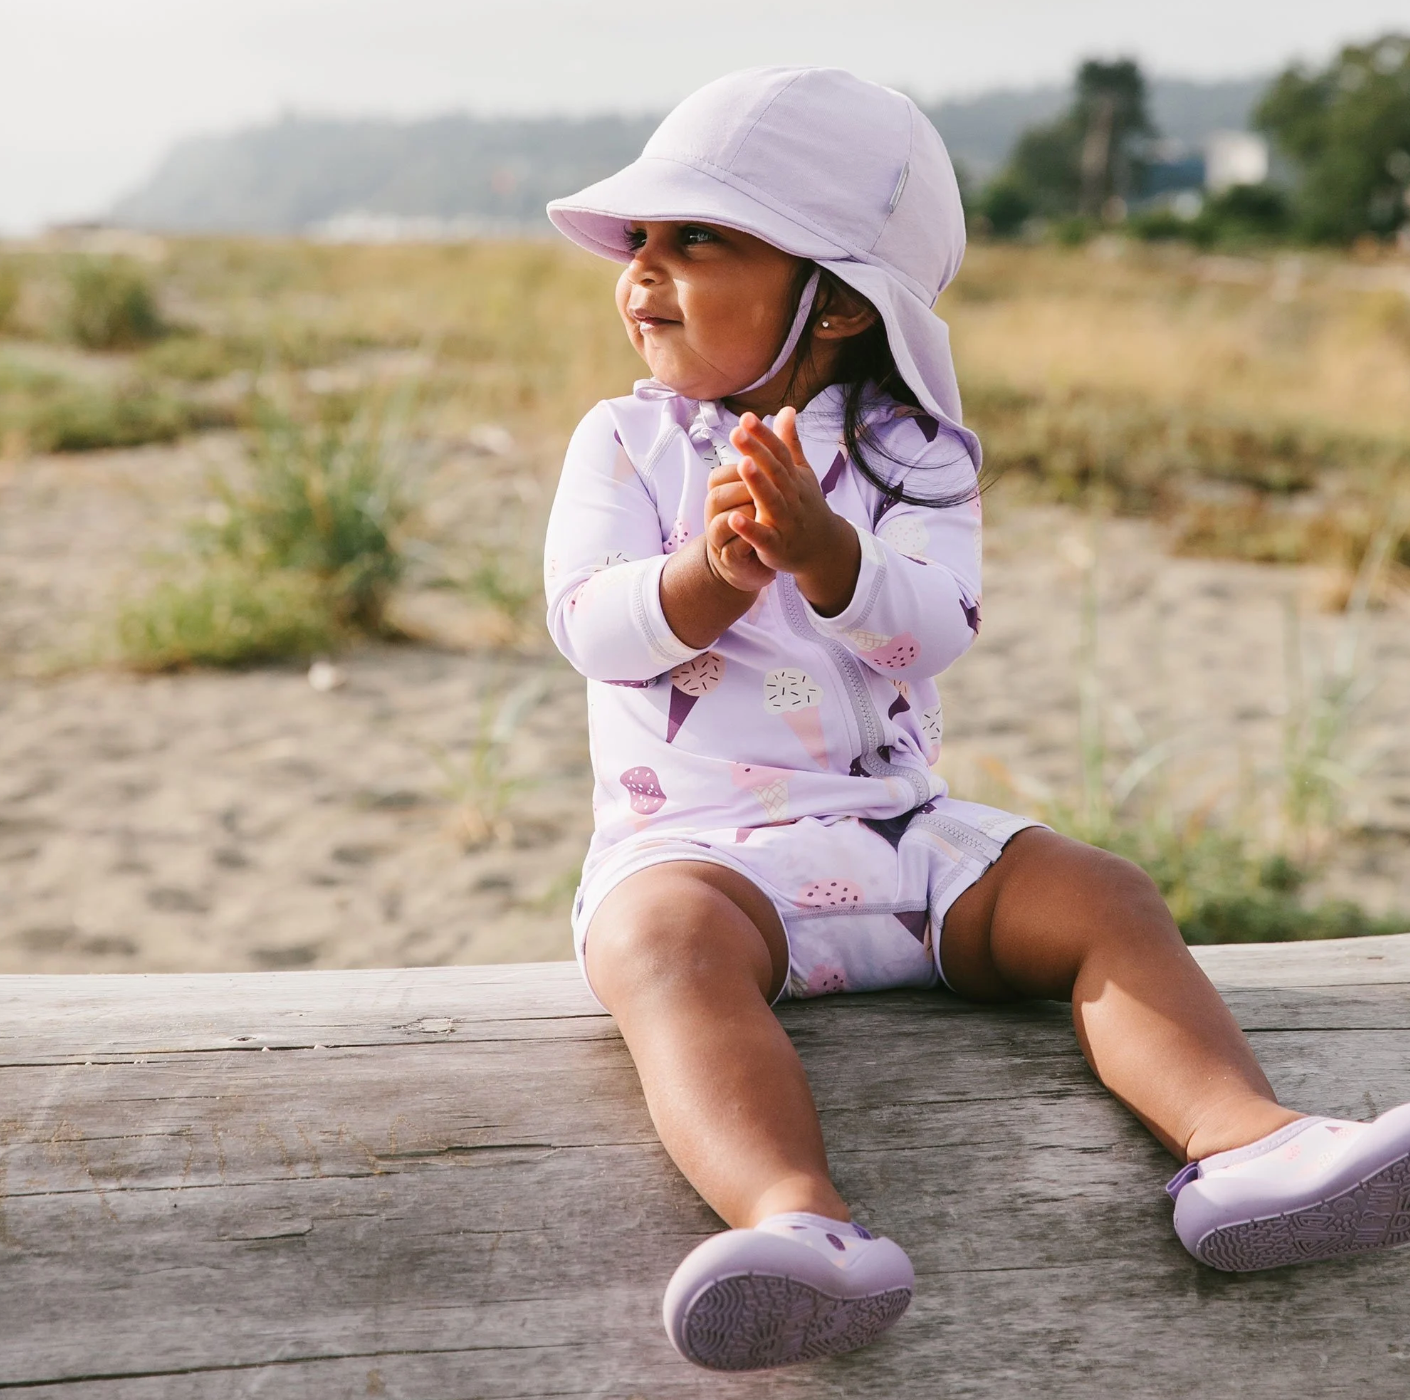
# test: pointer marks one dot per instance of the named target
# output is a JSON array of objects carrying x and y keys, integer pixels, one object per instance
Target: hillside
[{"x": 497, "y": 173}]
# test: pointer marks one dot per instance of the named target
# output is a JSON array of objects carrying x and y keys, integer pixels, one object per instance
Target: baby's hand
[
  {"x": 791, "y": 527},
  {"x": 730, "y": 558}
]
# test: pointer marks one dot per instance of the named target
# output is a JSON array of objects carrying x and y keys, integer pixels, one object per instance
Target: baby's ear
[{"x": 846, "y": 311}]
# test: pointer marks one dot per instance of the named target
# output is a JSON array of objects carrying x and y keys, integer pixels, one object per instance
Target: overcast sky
[{"x": 93, "y": 92}]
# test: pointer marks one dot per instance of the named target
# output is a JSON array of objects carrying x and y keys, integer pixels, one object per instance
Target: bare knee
[
  {"x": 1054, "y": 903},
  {"x": 1121, "y": 895},
  {"x": 666, "y": 931}
]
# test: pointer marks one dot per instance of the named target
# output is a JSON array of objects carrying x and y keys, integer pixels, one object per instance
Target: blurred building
[
  {"x": 1179, "y": 175},
  {"x": 1234, "y": 158}
]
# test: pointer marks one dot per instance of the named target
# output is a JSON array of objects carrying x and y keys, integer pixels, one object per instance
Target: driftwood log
[{"x": 440, "y": 1184}]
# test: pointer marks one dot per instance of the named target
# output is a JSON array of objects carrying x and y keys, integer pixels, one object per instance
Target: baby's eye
[
  {"x": 636, "y": 238},
  {"x": 692, "y": 235}
]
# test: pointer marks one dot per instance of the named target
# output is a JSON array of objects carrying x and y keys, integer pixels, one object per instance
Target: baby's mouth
[{"x": 646, "y": 323}]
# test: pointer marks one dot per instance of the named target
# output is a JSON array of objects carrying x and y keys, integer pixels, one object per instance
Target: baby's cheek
[{"x": 623, "y": 294}]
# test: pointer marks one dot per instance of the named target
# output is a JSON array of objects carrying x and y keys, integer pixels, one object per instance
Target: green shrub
[
  {"x": 1006, "y": 208},
  {"x": 1221, "y": 890},
  {"x": 1239, "y": 217},
  {"x": 323, "y": 500},
  {"x": 1163, "y": 225},
  {"x": 193, "y": 358},
  {"x": 1073, "y": 232},
  {"x": 1266, "y": 916},
  {"x": 1247, "y": 214},
  {"x": 297, "y": 556},
  {"x": 231, "y": 616},
  {"x": 111, "y": 305},
  {"x": 81, "y": 418}
]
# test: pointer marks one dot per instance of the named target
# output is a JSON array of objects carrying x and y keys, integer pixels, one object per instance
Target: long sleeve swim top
[{"x": 787, "y": 713}]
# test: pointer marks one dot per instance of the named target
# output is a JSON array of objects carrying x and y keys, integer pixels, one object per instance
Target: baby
[{"x": 760, "y": 559}]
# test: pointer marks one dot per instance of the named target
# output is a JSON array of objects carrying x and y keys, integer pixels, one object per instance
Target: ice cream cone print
[
  {"x": 916, "y": 922},
  {"x": 769, "y": 785},
  {"x": 866, "y": 641},
  {"x": 902, "y": 702},
  {"x": 834, "y": 474},
  {"x": 932, "y": 725},
  {"x": 644, "y": 789},
  {"x": 829, "y": 894},
  {"x": 795, "y": 696},
  {"x": 680, "y": 533},
  {"x": 894, "y": 654},
  {"x": 823, "y": 980},
  {"x": 774, "y": 797},
  {"x": 622, "y": 468},
  {"x": 806, "y": 724},
  {"x": 906, "y": 535},
  {"x": 689, "y": 681}
]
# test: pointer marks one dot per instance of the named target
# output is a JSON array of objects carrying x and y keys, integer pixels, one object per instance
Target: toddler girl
[{"x": 759, "y": 560}]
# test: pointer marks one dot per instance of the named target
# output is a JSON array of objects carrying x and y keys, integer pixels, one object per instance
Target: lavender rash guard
[{"x": 787, "y": 714}]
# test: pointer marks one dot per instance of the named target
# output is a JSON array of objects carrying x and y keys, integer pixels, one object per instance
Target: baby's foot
[
  {"x": 794, "y": 1288},
  {"x": 1318, "y": 1188}
]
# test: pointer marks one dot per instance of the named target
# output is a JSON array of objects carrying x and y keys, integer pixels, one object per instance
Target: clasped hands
[{"x": 766, "y": 514}]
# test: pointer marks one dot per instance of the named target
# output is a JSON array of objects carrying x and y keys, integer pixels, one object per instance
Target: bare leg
[
  {"x": 687, "y": 957},
  {"x": 1054, "y": 918}
]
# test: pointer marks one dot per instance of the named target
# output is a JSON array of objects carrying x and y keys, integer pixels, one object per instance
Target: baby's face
[{"x": 706, "y": 307}]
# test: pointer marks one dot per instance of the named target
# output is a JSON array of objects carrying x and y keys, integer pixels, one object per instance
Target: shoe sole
[
  {"x": 748, "y": 1322},
  {"x": 1373, "y": 1214}
]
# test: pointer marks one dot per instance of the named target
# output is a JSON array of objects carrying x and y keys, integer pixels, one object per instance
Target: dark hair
[{"x": 865, "y": 368}]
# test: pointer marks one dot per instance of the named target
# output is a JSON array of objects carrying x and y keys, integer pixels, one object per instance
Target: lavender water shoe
[
  {"x": 797, "y": 1287},
  {"x": 1316, "y": 1189}
]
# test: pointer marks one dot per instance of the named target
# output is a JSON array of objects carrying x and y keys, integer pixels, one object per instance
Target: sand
[{"x": 228, "y": 821}]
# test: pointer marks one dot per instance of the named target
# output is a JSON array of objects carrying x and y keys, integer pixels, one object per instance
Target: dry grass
[
  {"x": 520, "y": 332},
  {"x": 1256, "y": 406},
  {"x": 1310, "y": 340}
]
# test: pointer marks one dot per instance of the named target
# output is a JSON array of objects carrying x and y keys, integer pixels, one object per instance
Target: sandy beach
[{"x": 431, "y": 805}]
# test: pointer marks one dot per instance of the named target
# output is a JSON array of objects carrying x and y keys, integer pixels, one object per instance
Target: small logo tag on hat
[{"x": 900, "y": 185}]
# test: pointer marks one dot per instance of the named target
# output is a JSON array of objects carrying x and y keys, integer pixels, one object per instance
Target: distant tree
[
  {"x": 1347, "y": 129},
  {"x": 1083, "y": 161},
  {"x": 1239, "y": 217}
]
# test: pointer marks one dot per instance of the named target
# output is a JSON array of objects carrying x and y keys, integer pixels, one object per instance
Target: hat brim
[{"x": 654, "y": 188}]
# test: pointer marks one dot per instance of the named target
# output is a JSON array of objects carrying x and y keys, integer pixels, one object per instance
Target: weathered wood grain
[
  {"x": 1335, "y": 962},
  {"x": 443, "y": 1183}
]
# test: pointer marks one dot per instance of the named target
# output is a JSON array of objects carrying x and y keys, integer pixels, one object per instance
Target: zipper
[
  {"x": 868, "y": 726},
  {"x": 866, "y": 729}
]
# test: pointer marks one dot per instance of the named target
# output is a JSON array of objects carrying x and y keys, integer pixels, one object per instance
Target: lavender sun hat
[{"x": 823, "y": 165}]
